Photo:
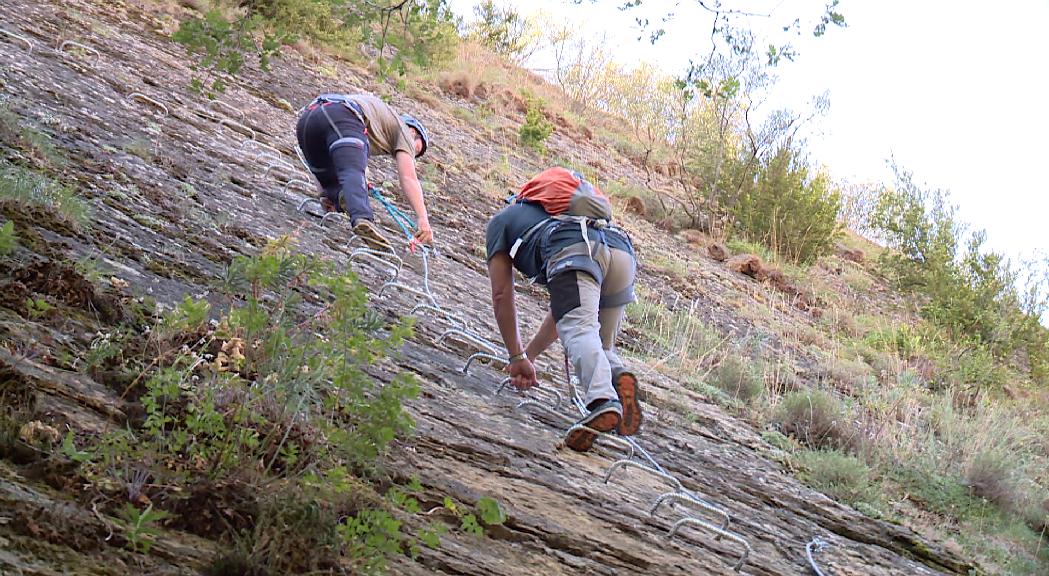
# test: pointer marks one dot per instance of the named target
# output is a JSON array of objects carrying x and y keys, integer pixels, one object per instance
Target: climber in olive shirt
[{"x": 336, "y": 132}]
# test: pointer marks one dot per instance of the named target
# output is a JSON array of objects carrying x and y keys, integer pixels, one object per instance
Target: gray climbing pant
[{"x": 588, "y": 312}]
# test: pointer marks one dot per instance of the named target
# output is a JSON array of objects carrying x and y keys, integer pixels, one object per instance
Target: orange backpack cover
[{"x": 555, "y": 188}]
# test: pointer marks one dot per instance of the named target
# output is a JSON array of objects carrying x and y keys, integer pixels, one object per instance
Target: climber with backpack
[
  {"x": 557, "y": 230},
  {"x": 336, "y": 132}
]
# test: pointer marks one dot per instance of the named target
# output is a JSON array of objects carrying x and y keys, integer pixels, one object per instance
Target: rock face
[{"x": 179, "y": 187}]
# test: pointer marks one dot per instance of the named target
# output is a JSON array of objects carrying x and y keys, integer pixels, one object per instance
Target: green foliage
[
  {"x": 488, "y": 508},
  {"x": 8, "y": 238},
  {"x": 37, "y": 307},
  {"x": 813, "y": 417},
  {"x": 223, "y": 45},
  {"x": 140, "y": 526},
  {"x": 739, "y": 378},
  {"x": 970, "y": 292},
  {"x": 26, "y": 187},
  {"x": 420, "y": 32},
  {"x": 536, "y": 128},
  {"x": 794, "y": 214},
  {"x": 838, "y": 475},
  {"x": 504, "y": 31},
  {"x": 273, "y": 391}
]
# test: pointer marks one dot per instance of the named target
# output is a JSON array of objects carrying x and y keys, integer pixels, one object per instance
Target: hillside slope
[{"x": 177, "y": 195}]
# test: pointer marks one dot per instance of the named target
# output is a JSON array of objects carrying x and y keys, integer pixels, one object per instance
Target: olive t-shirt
[{"x": 387, "y": 133}]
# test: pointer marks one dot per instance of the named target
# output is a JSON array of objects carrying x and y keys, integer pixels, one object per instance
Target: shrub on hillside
[
  {"x": 792, "y": 212},
  {"x": 815, "y": 417},
  {"x": 536, "y": 128},
  {"x": 974, "y": 294},
  {"x": 737, "y": 377},
  {"x": 837, "y": 475}
]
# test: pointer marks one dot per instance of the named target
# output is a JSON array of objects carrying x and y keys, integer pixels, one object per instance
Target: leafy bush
[
  {"x": 536, "y": 128},
  {"x": 837, "y": 475},
  {"x": 793, "y": 213},
  {"x": 223, "y": 45},
  {"x": 814, "y": 417},
  {"x": 271, "y": 392},
  {"x": 739, "y": 378}
]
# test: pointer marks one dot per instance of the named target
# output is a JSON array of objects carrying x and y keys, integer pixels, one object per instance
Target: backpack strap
[{"x": 527, "y": 236}]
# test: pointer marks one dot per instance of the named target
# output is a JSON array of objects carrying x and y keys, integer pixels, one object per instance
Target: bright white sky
[{"x": 957, "y": 92}]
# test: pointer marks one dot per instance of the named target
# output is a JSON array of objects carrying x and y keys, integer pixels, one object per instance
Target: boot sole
[
  {"x": 582, "y": 439},
  {"x": 373, "y": 240},
  {"x": 628, "y": 390}
]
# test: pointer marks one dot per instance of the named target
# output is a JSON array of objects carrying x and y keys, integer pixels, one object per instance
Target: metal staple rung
[
  {"x": 62, "y": 49},
  {"x": 719, "y": 532},
  {"x": 468, "y": 336},
  {"x": 331, "y": 217},
  {"x": 631, "y": 464},
  {"x": 306, "y": 202},
  {"x": 406, "y": 288},
  {"x": 445, "y": 315},
  {"x": 545, "y": 407},
  {"x": 148, "y": 100},
  {"x": 483, "y": 356},
  {"x": 221, "y": 104},
  {"x": 299, "y": 182},
  {"x": 380, "y": 257},
  {"x": 238, "y": 128},
  {"x": 278, "y": 164},
  {"x": 28, "y": 43},
  {"x": 262, "y": 147},
  {"x": 688, "y": 498}
]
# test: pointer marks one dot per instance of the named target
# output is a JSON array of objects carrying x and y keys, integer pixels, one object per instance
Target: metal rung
[
  {"x": 406, "y": 288},
  {"x": 483, "y": 356},
  {"x": 689, "y": 499},
  {"x": 631, "y": 464},
  {"x": 299, "y": 182},
  {"x": 28, "y": 43},
  {"x": 332, "y": 216},
  {"x": 468, "y": 336},
  {"x": 445, "y": 315},
  {"x": 540, "y": 405},
  {"x": 148, "y": 100},
  {"x": 257, "y": 145},
  {"x": 539, "y": 389},
  {"x": 278, "y": 164},
  {"x": 238, "y": 128},
  {"x": 221, "y": 104},
  {"x": 62, "y": 49},
  {"x": 269, "y": 157},
  {"x": 306, "y": 202},
  {"x": 380, "y": 257},
  {"x": 719, "y": 532}
]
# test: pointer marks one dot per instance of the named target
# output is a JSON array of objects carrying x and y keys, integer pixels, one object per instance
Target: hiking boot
[
  {"x": 370, "y": 234},
  {"x": 626, "y": 385},
  {"x": 604, "y": 416}
]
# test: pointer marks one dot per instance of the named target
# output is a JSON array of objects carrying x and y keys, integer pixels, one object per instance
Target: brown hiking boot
[
  {"x": 369, "y": 232},
  {"x": 604, "y": 416},
  {"x": 629, "y": 395}
]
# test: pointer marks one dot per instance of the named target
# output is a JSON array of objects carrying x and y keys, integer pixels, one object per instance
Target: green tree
[
  {"x": 794, "y": 213},
  {"x": 504, "y": 31}
]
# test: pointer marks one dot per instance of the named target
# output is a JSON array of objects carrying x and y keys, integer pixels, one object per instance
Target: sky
[{"x": 957, "y": 92}]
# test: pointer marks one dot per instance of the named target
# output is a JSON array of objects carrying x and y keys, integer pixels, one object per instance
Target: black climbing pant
[{"x": 334, "y": 141}]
